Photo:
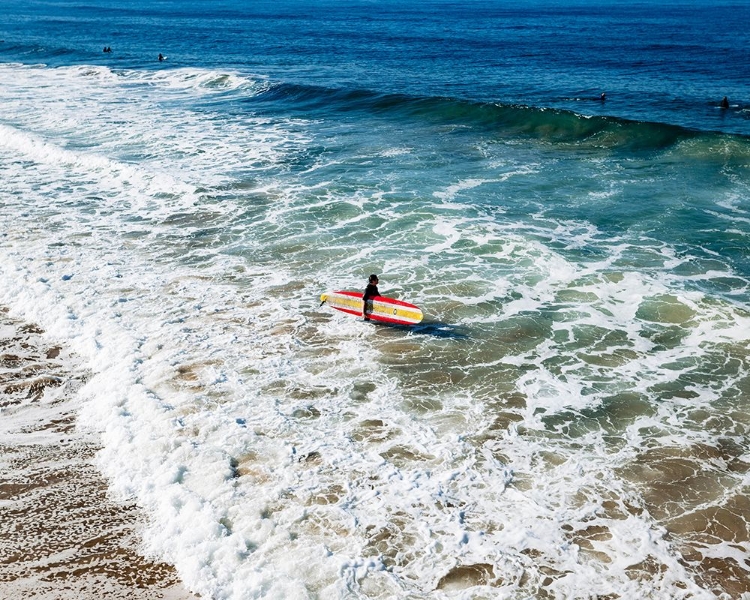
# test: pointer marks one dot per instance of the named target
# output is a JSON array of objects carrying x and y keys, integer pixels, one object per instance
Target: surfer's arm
[{"x": 371, "y": 291}]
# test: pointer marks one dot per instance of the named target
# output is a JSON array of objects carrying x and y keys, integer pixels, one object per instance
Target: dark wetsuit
[{"x": 370, "y": 292}]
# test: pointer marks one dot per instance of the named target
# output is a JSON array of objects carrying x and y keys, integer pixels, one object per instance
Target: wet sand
[{"x": 61, "y": 535}]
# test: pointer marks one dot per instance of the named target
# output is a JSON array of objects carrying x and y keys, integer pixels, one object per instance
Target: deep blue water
[{"x": 666, "y": 62}]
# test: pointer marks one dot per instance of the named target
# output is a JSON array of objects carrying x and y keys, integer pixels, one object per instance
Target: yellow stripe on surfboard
[{"x": 390, "y": 310}]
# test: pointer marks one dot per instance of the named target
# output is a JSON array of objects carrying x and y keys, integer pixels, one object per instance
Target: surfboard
[{"x": 385, "y": 310}]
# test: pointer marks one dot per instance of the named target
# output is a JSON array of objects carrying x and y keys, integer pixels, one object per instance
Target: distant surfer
[
  {"x": 370, "y": 292},
  {"x": 603, "y": 97},
  {"x": 161, "y": 57},
  {"x": 725, "y": 102}
]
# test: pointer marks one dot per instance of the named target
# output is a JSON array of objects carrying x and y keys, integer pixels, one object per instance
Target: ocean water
[{"x": 571, "y": 418}]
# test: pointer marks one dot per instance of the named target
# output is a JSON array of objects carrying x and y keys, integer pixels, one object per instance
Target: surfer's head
[{"x": 373, "y": 278}]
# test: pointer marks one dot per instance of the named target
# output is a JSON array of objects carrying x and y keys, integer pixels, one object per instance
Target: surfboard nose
[{"x": 323, "y": 298}]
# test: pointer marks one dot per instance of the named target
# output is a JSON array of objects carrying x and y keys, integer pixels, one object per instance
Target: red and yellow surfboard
[{"x": 385, "y": 310}]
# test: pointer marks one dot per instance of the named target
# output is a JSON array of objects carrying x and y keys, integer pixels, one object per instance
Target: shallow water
[{"x": 63, "y": 536}]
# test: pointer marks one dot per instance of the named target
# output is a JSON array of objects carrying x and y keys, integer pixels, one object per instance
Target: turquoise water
[{"x": 570, "y": 419}]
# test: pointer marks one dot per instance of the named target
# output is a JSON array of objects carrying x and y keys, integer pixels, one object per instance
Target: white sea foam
[{"x": 282, "y": 451}]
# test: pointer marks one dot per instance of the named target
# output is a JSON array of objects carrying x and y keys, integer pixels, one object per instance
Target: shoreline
[{"x": 62, "y": 535}]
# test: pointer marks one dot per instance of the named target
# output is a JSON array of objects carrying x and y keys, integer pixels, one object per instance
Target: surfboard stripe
[{"x": 387, "y": 310}]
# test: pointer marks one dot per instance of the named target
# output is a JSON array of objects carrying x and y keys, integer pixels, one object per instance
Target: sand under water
[{"x": 62, "y": 536}]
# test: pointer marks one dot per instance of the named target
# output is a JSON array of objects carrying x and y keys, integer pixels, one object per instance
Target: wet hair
[{"x": 373, "y": 277}]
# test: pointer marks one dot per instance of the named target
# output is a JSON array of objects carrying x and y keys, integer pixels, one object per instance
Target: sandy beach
[{"x": 62, "y": 536}]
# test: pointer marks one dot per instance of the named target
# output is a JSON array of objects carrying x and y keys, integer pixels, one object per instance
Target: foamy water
[
  {"x": 569, "y": 421},
  {"x": 62, "y": 535}
]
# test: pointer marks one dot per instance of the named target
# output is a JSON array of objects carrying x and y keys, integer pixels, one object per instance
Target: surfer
[
  {"x": 161, "y": 57},
  {"x": 725, "y": 102},
  {"x": 370, "y": 292}
]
